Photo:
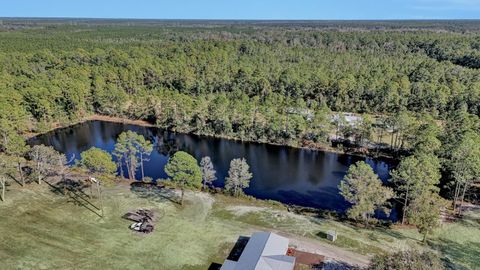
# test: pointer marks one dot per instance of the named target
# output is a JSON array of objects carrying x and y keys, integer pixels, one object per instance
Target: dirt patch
[
  {"x": 97, "y": 117},
  {"x": 278, "y": 215},
  {"x": 241, "y": 210},
  {"x": 199, "y": 205},
  {"x": 280, "y": 221},
  {"x": 329, "y": 251}
]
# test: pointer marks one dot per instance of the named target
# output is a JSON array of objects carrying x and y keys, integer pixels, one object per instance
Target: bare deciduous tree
[
  {"x": 239, "y": 176},
  {"x": 208, "y": 172},
  {"x": 47, "y": 161}
]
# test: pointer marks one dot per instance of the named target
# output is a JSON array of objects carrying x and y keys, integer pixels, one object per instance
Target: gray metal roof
[{"x": 264, "y": 251}]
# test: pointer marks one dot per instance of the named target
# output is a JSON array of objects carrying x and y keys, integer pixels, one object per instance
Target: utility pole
[{"x": 99, "y": 192}]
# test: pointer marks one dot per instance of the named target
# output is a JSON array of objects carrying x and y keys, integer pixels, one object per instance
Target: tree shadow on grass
[
  {"x": 28, "y": 176},
  {"x": 322, "y": 234},
  {"x": 457, "y": 255},
  {"x": 373, "y": 228},
  {"x": 469, "y": 221},
  {"x": 154, "y": 192},
  {"x": 394, "y": 234},
  {"x": 12, "y": 177},
  {"x": 75, "y": 192}
]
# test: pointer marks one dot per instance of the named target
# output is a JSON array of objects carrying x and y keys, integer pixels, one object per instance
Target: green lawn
[
  {"x": 43, "y": 230},
  {"x": 458, "y": 243},
  {"x": 40, "y": 230}
]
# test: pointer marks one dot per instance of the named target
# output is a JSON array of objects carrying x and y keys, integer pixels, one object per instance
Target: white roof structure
[
  {"x": 264, "y": 251},
  {"x": 350, "y": 118}
]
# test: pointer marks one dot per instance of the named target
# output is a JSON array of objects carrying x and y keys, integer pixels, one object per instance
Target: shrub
[{"x": 407, "y": 260}]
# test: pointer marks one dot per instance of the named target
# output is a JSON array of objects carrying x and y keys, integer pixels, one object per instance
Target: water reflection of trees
[{"x": 165, "y": 143}]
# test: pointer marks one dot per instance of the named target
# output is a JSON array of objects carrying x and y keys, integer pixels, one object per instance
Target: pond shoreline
[
  {"x": 143, "y": 123},
  {"x": 290, "y": 175}
]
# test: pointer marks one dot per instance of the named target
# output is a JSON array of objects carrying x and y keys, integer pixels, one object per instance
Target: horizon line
[{"x": 247, "y": 20}]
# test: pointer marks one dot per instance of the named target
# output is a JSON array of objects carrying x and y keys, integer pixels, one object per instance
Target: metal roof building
[{"x": 264, "y": 251}]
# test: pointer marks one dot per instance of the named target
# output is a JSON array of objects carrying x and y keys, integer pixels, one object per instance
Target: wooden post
[
  {"x": 99, "y": 192},
  {"x": 2, "y": 180}
]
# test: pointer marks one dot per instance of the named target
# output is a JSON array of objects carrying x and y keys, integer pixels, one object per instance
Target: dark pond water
[{"x": 295, "y": 176}]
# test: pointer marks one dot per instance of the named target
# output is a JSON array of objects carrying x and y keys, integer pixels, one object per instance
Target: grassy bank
[{"x": 40, "y": 229}]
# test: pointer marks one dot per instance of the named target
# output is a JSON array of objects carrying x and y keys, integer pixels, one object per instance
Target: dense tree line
[
  {"x": 359, "y": 72},
  {"x": 417, "y": 90},
  {"x": 277, "y": 85}
]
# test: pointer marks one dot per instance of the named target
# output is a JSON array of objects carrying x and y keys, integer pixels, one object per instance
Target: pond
[{"x": 289, "y": 175}]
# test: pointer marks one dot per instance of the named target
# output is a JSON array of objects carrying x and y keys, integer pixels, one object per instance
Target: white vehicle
[
  {"x": 144, "y": 227},
  {"x": 136, "y": 226}
]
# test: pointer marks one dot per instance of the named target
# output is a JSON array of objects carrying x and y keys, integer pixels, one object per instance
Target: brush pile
[{"x": 143, "y": 220}]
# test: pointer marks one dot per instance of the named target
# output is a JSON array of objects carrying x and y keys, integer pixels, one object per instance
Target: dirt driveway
[{"x": 329, "y": 251}]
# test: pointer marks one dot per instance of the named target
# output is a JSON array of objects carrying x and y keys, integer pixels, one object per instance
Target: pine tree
[
  {"x": 415, "y": 175},
  {"x": 132, "y": 148},
  {"x": 465, "y": 165},
  {"x": 364, "y": 190},
  {"x": 183, "y": 169},
  {"x": 145, "y": 148},
  {"x": 97, "y": 161},
  {"x": 425, "y": 212}
]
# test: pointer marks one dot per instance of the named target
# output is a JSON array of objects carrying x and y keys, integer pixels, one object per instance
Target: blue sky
[{"x": 244, "y": 9}]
